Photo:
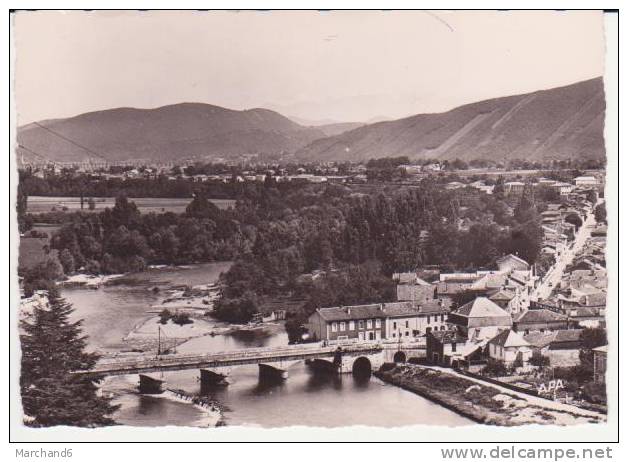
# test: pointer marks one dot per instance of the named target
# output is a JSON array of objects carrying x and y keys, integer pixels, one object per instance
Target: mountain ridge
[{"x": 559, "y": 123}]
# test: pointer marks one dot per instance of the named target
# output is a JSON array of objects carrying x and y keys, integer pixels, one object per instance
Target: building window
[
  {"x": 394, "y": 335},
  {"x": 407, "y": 333},
  {"x": 361, "y": 324},
  {"x": 342, "y": 327},
  {"x": 351, "y": 325},
  {"x": 334, "y": 327},
  {"x": 453, "y": 347},
  {"x": 442, "y": 318},
  {"x": 407, "y": 324},
  {"x": 378, "y": 323},
  {"x": 429, "y": 319},
  {"x": 394, "y": 325},
  {"x": 369, "y": 323}
]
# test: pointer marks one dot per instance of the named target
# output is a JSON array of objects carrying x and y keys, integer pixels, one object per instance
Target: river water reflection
[{"x": 111, "y": 312}]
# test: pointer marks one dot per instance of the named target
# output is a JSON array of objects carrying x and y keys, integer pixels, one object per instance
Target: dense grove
[{"x": 323, "y": 244}]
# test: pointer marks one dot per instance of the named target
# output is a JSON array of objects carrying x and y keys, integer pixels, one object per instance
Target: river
[{"x": 111, "y": 312}]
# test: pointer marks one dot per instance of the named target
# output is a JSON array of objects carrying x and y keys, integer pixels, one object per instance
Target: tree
[
  {"x": 52, "y": 348},
  {"x": 574, "y": 220},
  {"x": 67, "y": 261},
  {"x": 200, "y": 207},
  {"x": 525, "y": 241},
  {"x": 525, "y": 210},
  {"x": 600, "y": 213},
  {"x": 237, "y": 310}
]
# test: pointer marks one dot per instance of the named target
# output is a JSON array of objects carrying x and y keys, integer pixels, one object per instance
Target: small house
[{"x": 509, "y": 347}]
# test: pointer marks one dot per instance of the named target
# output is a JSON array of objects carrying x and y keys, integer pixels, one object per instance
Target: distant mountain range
[
  {"x": 179, "y": 131},
  {"x": 560, "y": 123}
]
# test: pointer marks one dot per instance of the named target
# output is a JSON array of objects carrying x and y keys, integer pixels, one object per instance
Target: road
[{"x": 555, "y": 273}]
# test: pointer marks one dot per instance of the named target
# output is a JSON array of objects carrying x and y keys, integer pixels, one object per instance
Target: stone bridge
[{"x": 273, "y": 363}]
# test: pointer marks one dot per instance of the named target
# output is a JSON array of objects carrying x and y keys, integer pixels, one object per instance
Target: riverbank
[
  {"x": 89, "y": 280},
  {"x": 481, "y": 402}
]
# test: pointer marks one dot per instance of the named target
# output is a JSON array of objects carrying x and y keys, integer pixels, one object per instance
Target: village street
[{"x": 555, "y": 274}]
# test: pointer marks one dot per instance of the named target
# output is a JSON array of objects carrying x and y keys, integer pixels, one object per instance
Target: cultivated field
[{"x": 40, "y": 204}]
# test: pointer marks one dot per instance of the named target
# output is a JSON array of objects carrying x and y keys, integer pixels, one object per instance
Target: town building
[
  {"x": 441, "y": 345},
  {"x": 405, "y": 322},
  {"x": 587, "y": 181},
  {"x": 480, "y": 319},
  {"x": 561, "y": 347},
  {"x": 412, "y": 288},
  {"x": 511, "y": 262},
  {"x": 509, "y": 347},
  {"x": 504, "y": 299},
  {"x": 514, "y": 187},
  {"x": 539, "y": 321},
  {"x": 397, "y": 320}
]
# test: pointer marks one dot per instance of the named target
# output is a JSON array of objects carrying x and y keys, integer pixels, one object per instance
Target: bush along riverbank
[{"x": 481, "y": 403}]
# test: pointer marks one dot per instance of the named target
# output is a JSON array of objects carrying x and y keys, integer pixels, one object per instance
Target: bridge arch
[
  {"x": 400, "y": 357},
  {"x": 362, "y": 367}
]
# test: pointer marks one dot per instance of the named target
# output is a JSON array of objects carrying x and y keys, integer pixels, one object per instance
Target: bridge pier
[
  {"x": 271, "y": 373},
  {"x": 211, "y": 379},
  {"x": 323, "y": 366},
  {"x": 150, "y": 385}
]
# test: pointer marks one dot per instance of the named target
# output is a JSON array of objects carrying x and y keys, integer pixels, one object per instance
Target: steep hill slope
[{"x": 560, "y": 123}]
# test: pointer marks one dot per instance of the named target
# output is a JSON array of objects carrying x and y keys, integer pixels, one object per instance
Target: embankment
[{"x": 482, "y": 403}]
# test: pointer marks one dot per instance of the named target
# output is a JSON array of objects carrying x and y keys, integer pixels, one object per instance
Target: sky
[{"x": 319, "y": 66}]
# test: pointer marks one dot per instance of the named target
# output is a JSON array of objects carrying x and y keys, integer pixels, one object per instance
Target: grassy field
[{"x": 40, "y": 204}]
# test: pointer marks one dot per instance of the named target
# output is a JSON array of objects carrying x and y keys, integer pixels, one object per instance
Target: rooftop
[
  {"x": 539, "y": 316},
  {"x": 380, "y": 310},
  {"x": 508, "y": 338},
  {"x": 481, "y": 307}
]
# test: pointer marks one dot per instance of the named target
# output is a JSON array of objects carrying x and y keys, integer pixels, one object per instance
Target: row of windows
[
  {"x": 416, "y": 332},
  {"x": 429, "y": 320},
  {"x": 342, "y": 326}
]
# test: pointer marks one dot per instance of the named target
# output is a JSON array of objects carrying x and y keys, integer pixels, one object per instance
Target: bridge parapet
[{"x": 227, "y": 359}]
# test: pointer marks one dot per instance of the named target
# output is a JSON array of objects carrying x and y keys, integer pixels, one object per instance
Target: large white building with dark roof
[
  {"x": 380, "y": 321},
  {"x": 480, "y": 319}
]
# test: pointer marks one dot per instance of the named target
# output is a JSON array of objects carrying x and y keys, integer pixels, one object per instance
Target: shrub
[
  {"x": 594, "y": 392},
  {"x": 181, "y": 319},
  {"x": 539, "y": 360},
  {"x": 164, "y": 316},
  {"x": 495, "y": 368}
]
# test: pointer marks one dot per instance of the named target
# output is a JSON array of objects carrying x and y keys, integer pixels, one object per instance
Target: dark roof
[
  {"x": 567, "y": 335},
  {"x": 558, "y": 339},
  {"x": 448, "y": 287},
  {"x": 381, "y": 310},
  {"x": 347, "y": 313},
  {"x": 539, "y": 316},
  {"x": 502, "y": 295}
]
